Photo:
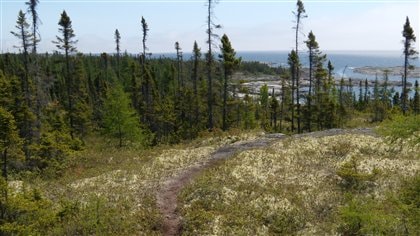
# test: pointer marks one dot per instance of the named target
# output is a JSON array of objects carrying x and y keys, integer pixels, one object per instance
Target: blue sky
[{"x": 251, "y": 25}]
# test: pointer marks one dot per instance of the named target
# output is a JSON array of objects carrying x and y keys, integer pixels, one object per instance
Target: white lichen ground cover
[
  {"x": 124, "y": 181},
  {"x": 292, "y": 187},
  {"x": 160, "y": 165}
]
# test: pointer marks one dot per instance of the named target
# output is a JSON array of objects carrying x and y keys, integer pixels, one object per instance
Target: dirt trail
[{"x": 167, "y": 195}]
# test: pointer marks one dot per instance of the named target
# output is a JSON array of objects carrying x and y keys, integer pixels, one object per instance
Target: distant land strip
[{"x": 392, "y": 71}]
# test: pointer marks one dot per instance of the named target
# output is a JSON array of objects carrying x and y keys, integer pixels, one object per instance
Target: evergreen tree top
[
  {"x": 408, "y": 32},
  {"x": 65, "y": 43}
]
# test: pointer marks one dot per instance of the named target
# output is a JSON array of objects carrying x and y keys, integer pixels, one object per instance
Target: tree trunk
[
  {"x": 195, "y": 75},
  {"x": 225, "y": 86},
  {"x": 209, "y": 69},
  {"x": 404, "y": 91},
  {"x": 310, "y": 90}
]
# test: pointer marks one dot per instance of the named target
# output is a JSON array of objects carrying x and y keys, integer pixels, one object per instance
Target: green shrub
[
  {"x": 24, "y": 212},
  {"x": 400, "y": 126},
  {"x": 397, "y": 214},
  {"x": 284, "y": 223},
  {"x": 353, "y": 178}
]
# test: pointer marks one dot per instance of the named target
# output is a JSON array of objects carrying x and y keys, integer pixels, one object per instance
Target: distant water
[{"x": 343, "y": 61}]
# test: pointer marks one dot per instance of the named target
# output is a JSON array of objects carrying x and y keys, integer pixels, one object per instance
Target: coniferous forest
[{"x": 68, "y": 115}]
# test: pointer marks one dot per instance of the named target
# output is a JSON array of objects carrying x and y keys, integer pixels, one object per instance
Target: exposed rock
[{"x": 392, "y": 71}]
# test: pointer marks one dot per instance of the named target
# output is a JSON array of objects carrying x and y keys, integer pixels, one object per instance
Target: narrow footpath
[{"x": 167, "y": 195}]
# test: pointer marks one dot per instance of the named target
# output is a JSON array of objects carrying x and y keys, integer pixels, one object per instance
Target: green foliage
[
  {"x": 99, "y": 217},
  {"x": 284, "y": 223},
  {"x": 256, "y": 68},
  {"x": 36, "y": 106},
  {"x": 24, "y": 211},
  {"x": 249, "y": 121},
  {"x": 82, "y": 114},
  {"x": 120, "y": 119},
  {"x": 264, "y": 103},
  {"x": 397, "y": 214},
  {"x": 416, "y": 99},
  {"x": 353, "y": 178},
  {"x": 364, "y": 216},
  {"x": 408, "y": 200},
  {"x": 401, "y": 127},
  {"x": 381, "y": 103},
  {"x": 410, "y": 53},
  {"x": 10, "y": 142},
  {"x": 55, "y": 143},
  {"x": 66, "y": 42},
  {"x": 23, "y": 32}
]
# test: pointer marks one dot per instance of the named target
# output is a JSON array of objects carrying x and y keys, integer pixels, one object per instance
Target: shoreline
[{"x": 392, "y": 71}]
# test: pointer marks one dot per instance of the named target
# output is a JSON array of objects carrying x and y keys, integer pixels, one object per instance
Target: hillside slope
[
  {"x": 345, "y": 182},
  {"x": 328, "y": 182}
]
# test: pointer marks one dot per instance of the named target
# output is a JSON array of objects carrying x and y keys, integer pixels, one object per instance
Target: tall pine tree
[
  {"x": 195, "y": 77},
  {"x": 299, "y": 15},
  {"x": 211, "y": 26},
  {"x": 409, "y": 53},
  {"x": 66, "y": 43},
  {"x": 25, "y": 37},
  {"x": 230, "y": 63},
  {"x": 32, "y": 5},
  {"x": 117, "y": 37}
]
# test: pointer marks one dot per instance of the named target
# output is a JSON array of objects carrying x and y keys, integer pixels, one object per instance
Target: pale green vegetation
[
  {"x": 103, "y": 190},
  {"x": 348, "y": 184}
]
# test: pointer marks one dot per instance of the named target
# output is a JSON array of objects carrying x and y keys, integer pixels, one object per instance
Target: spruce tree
[
  {"x": 179, "y": 66},
  {"x": 331, "y": 82},
  {"x": 416, "y": 98},
  {"x": 146, "y": 76},
  {"x": 320, "y": 93},
  {"x": 274, "y": 105},
  {"x": 120, "y": 118},
  {"x": 66, "y": 43},
  {"x": 396, "y": 99},
  {"x": 285, "y": 102},
  {"x": 293, "y": 60},
  {"x": 181, "y": 101},
  {"x": 299, "y": 15},
  {"x": 314, "y": 56},
  {"x": 25, "y": 36},
  {"x": 211, "y": 26},
  {"x": 145, "y": 29},
  {"x": 39, "y": 90},
  {"x": 32, "y": 5},
  {"x": 376, "y": 104},
  {"x": 385, "y": 92},
  {"x": 409, "y": 53},
  {"x": 82, "y": 109},
  {"x": 9, "y": 139},
  {"x": 313, "y": 47},
  {"x": 117, "y": 37},
  {"x": 360, "y": 103},
  {"x": 365, "y": 97},
  {"x": 196, "y": 65},
  {"x": 264, "y": 103},
  {"x": 230, "y": 63},
  {"x": 249, "y": 111},
  {"x": 341, "y": 100}
]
